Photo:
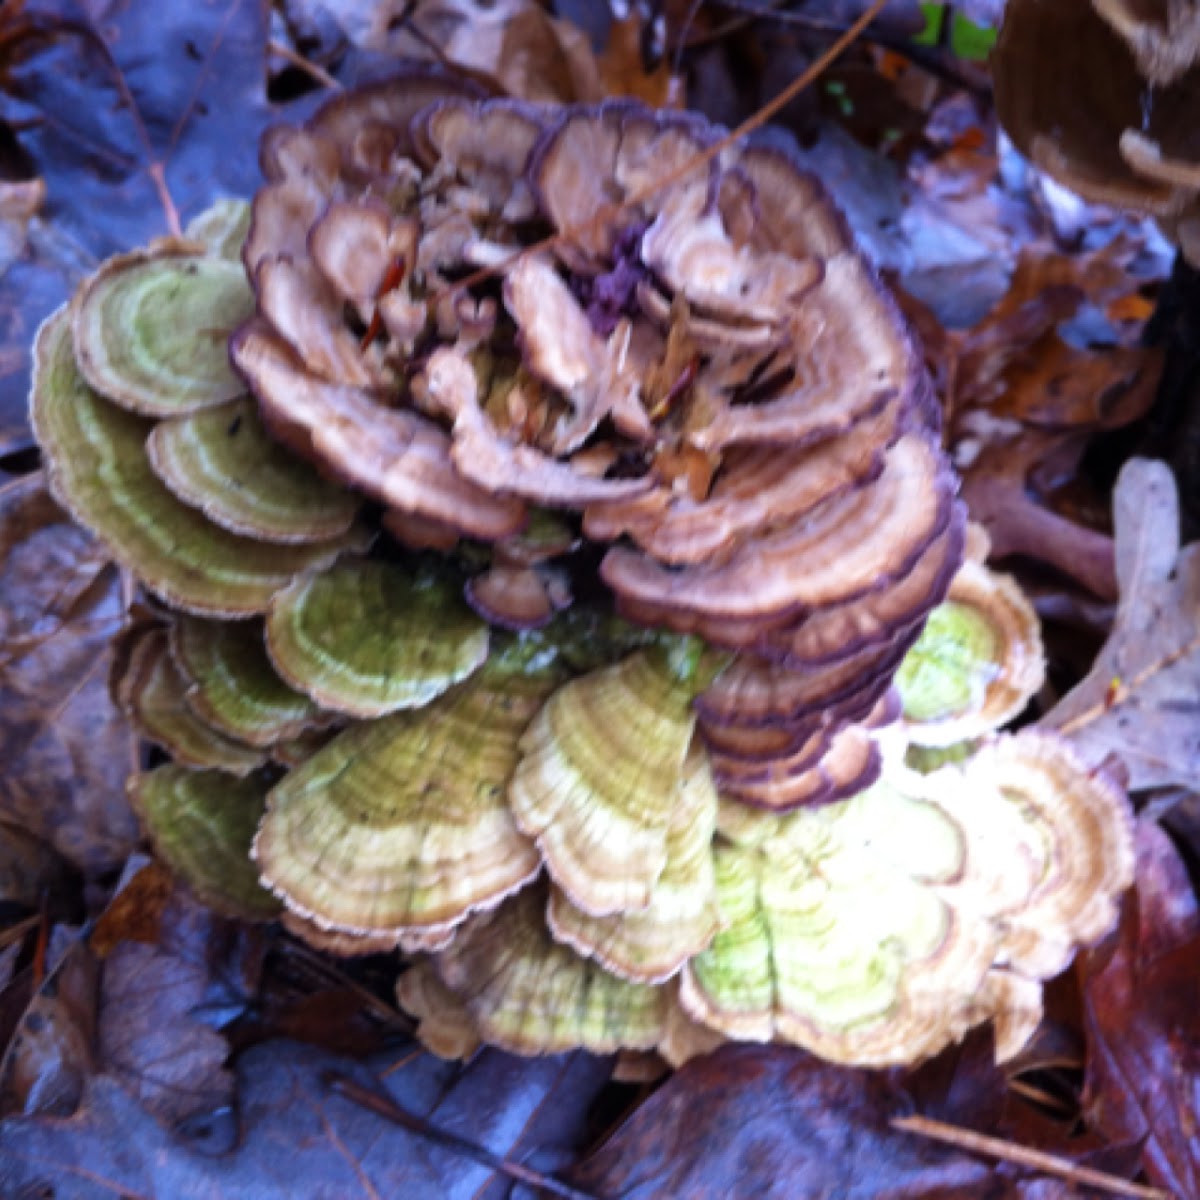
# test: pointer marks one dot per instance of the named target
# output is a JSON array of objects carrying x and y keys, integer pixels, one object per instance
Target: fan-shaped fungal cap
[
  {"x": 837, "y": 631},
  {"x": 396, "y": 456},
  {"x": 151, "y": 329},
  {"x": 600, "y": 772},
  {"x": 339, "y": 941},
  {"x": 1164, "y": 35},
  {"x": 367, "y": 638},
  {"x": 232, "y": 685},
  {"x": 99, "y": 471},
  {"x": 222, "y": 462},
  {"x": 149, "y": 687},
  {"x": 444, "y": 1026},
  {"x": 528, "y": 994},
  {"x": 202, "y": 824},
  {"x": 977, "y": 662},
  {"x": 1070, "y": 94},
  {"x": 838, "y": 935},
  {"x": 400, "y": 823},
  {"x": 1077, "y": 845},
  {"x": 844, "y": 547},
  {"x": 651, "y": 944},
  {"x": 221, "y": 228}
]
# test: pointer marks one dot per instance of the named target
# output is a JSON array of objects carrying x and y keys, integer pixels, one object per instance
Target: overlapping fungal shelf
[{"x": 546, "y": 592}]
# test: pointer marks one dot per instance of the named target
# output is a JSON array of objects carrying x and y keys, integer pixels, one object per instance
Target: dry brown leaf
[
  {"x": 1141, "y": 700},
  {"x": 66, "y": 749}
]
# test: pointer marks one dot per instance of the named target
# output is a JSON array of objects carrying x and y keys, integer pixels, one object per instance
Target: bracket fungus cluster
[
  {"x": 1104, "y": 95},
  {"x": 546, "y": 591}
]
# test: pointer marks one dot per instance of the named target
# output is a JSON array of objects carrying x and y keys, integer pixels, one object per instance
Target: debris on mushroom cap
[
  {"x": 444, "y": 1026},
  {"x": 126, "y": 323},
  {"x": 853, "y": 360},
  {"x": 223, "y": 462},
  {"x": 600, "y": 774},
  {"x": 201, "y": 824},
  {"x": 652, "y": 943},
  {"x": 1071, "y": 92},
  {"x": 758, "y": 488},
  {"x": 149, "y": 687},
  {"x": 232, "y": 685},
  {"x": 531, "y": 995},
  {"x": 487, "y": 459},
  {"x": 560, "y": 346},
  {"x": 977, "y": 662},
  {"x": 846, "y": 546},
  {"x": 400, "y": 823},
  {"x": 1164, "y": 35},
  {"x": 396, "y": 456},
  {"x": 367, "y": 638},
  {"x": 98, "y": 470}
]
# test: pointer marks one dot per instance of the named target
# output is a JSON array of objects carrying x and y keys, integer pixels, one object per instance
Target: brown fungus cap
[
  {"x": 846, "y": 546},
  {"x": 1102, "y": 95}
]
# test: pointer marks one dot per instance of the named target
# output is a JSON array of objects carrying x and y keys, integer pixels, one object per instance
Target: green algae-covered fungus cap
[
  {"x": 98, "y": 470},
  {"x": 232, "y": 685},
  {"x": 977, "y": 663},
  {"x": 223, "y": 462},
  {"x": 531, "y": 995},
  {"x": 201, "y": 824},
  {"x": 367, "y": 638},
  {"x": 651, "y": 944},
  {"x": 600, "y": 776},
  {"x": 151, "y": 329},
  {"x": 401, "y": 823}
]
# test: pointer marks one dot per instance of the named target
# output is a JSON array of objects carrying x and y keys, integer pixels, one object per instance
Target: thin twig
[
  {"x": 384, "y": 1106},
  {"x": 1023, "y": 1156},
  {"x": 930, "y": 59},
  {"x": 311, "y": 69},
  {"x": 702, "y": 158}
]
